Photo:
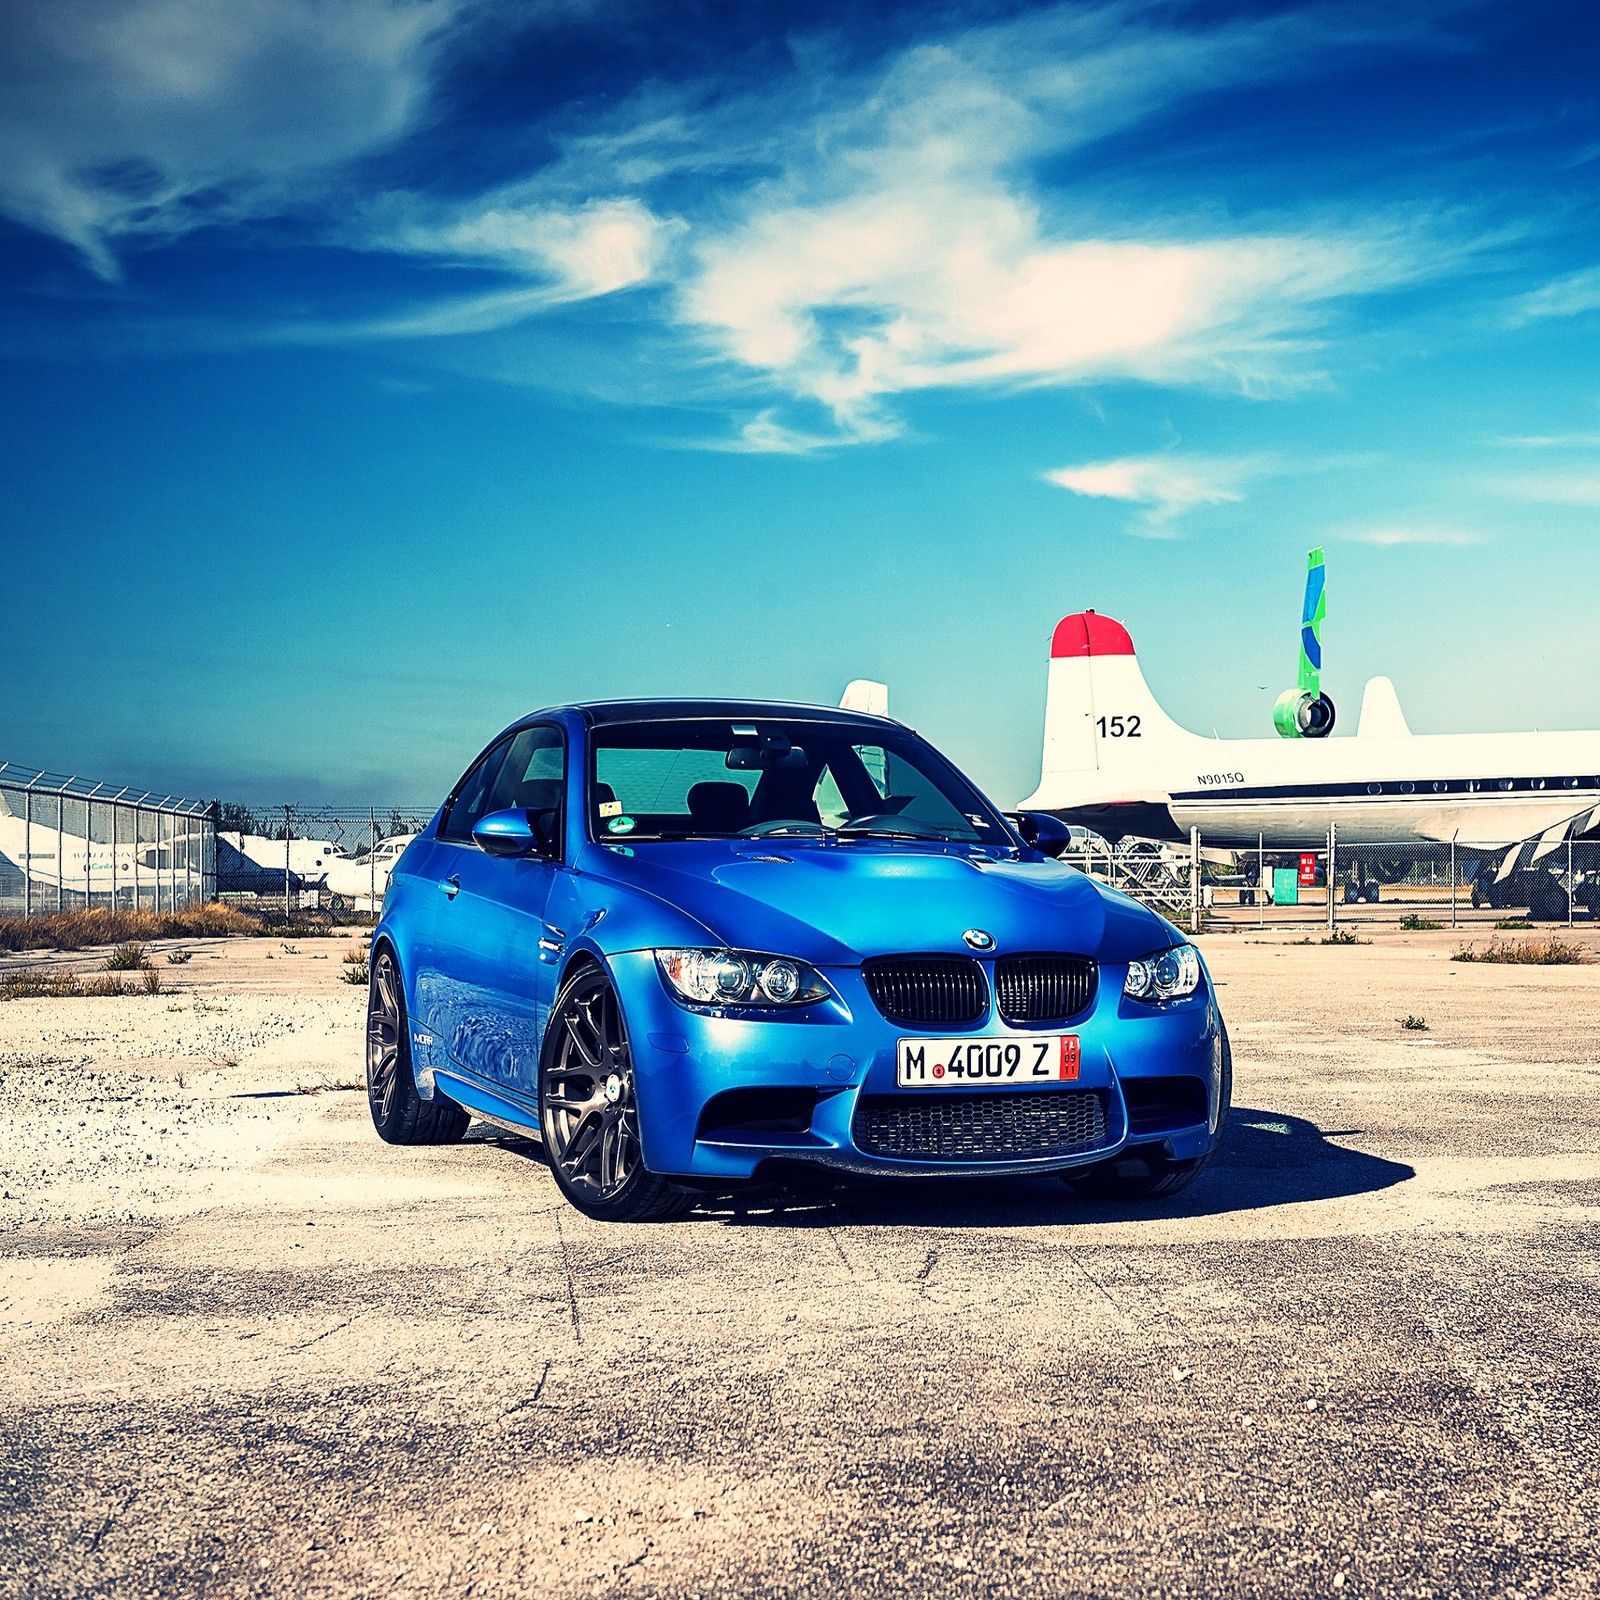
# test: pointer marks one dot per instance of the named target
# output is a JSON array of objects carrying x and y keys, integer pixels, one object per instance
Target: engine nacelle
[{"x": 1300, "y": 715}]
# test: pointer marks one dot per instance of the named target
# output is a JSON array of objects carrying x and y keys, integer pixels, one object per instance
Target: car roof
[{"x": 600, "y": 712}]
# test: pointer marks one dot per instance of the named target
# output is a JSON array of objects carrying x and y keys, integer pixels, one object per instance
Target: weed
[
  {"x": 130, "y": 957},
  {"x": 1524, "y": 953},
  {"x": 151, "y": 981},
  {"x": 39, "y": 985},
  {"x": 1513, "y": 922},
  {"x": 1413, "y": 1024},
  {"x": 291, "y": 950},
  {"x": 1412, "y": 923},
  {"x": 1344, "y": 936},
  {"x": 77, "y": 930},
  {"x": 355, "y": 974},
  {"x": 177, "y": 958}
]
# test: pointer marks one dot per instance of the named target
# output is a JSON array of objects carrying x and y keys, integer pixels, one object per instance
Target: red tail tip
[{"x": 1085, "y": 633}]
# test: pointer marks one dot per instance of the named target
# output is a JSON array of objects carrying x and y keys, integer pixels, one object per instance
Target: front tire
[
  {"x": 399, "y": 1113},
  {"x": 589, "y": 1113},
  {"x": 1144, "y": 1173}
]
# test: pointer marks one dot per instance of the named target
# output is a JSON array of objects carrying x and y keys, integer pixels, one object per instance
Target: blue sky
[{"x": 375, "y": 370}]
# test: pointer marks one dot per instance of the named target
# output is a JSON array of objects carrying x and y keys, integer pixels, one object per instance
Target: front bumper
[{"x": 835, "y": 1053}]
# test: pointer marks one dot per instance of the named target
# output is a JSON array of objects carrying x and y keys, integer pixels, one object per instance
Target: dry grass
[
  {"x": 45, "y": 985},
  {"x": 355, "y": 966},
  {"x": 1524, "y": 953},
  {"x": 77, "y": 930},
  {"x": 130, "y": 957}
]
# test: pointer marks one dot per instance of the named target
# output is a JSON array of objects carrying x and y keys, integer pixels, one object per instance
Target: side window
[
  {"x": 472, "y": 797},
  {"x": 533, "y": 774}
]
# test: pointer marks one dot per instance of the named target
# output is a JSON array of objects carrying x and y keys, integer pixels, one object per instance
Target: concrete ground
[{"x": 250, "y": 1350}]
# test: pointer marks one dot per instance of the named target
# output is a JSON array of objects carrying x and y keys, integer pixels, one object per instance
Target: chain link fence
[
  {"x": 67, "y": 842},
  {"x": 1411, "y": 885},
  {"x": 285, "y": 860}
]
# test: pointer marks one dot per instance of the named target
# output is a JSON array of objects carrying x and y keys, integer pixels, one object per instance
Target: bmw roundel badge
[{"x": 978, "y": 939}]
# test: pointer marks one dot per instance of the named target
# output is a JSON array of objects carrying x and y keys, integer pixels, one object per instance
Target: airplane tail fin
[
  {"x": 1098, "y": 711},
  {"x": 863, "y": 694}
]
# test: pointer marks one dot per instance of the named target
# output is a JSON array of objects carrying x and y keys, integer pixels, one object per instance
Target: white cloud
[
  {"x": 825, "y": 243},
  {"x": 1402, "y": 533},
  {"x": 596, "y": 248},
  {"x": 1551, "y": 488},
  {"x": 1167, "y": 485},
  {"x": 902, "y": 247},
  {"x": 121, "y": 118},
  {"x": 1570, "y": 296},
  {"x": 1550, "y": 441}
]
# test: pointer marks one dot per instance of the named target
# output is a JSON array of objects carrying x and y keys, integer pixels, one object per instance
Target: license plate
[{"x": 960, "y": 1063}]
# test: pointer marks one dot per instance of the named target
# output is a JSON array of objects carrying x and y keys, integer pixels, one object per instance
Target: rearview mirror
[
  {"x": 1047, "y": 834},
  {"x": 516, "y": 832},
  {"x": 773, "y": 752}
]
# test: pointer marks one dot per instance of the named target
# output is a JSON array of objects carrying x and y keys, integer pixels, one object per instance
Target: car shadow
[{"x": 1267, "y": 1158}]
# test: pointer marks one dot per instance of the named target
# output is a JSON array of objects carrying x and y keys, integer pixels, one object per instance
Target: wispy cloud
[
  {"x": 1391, "y": 533},
  {"x": 1569, "y": 296},
  {"x": 1549, "y": 441},
  {"x": 122, "y": 119},
  {"x": 1550, "y": 488},
  {"x": 823, "y": 246},
  {"x": 1166, "y": 485}
]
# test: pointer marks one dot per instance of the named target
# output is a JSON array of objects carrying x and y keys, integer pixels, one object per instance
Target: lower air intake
[{"x": 938, "y": 1126}]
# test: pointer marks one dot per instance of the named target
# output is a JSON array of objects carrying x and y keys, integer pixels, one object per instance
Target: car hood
[{"x": 837, "y": 904}]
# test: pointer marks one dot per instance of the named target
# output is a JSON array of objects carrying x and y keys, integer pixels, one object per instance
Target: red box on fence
[{"x": 1308, "y": 870}]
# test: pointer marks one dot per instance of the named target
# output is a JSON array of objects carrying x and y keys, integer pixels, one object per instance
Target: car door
[
  {"x": 430, "y": 883},
  {"x": 491, "y": 919}
]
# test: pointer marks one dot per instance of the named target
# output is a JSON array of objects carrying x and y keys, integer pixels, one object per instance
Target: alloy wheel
[
  {"x": 591, "y": 1121},
  {"x": 383, "y": 1036}
]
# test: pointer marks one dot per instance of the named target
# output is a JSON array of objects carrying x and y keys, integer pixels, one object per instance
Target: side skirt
[{"x": 490, "y": 1101}]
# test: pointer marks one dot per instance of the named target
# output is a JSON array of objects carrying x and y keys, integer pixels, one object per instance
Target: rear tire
[
  {"x": 589, "y": 1113},
  {"x": 1143, "y": 1173},
  {"x": 399, "y": 1113}
]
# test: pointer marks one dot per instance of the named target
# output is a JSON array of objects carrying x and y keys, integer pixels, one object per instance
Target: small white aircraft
[
  {"x": 307, "y": 859},
  {"x": 1115, "y": 762},
  {"x": 365, "y": 878}
]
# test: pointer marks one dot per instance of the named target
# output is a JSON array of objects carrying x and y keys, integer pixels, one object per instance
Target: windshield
[{"x": 772, "y": 777}]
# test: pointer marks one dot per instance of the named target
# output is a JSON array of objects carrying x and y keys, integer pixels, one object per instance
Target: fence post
[
  {"x": 1194, "y": 880},
  {"x": 1261, "y": 880},
  {"x": 1333, "y": 836},
  {"x": 372, "y": 866},
  {"x": 27, "y": 853},
  {"x": 61, "y": 853},
  {"x": 287, "y": 835},
  {"x": 1569, "y": 880},
  {"x": 1453, "y": 878}
]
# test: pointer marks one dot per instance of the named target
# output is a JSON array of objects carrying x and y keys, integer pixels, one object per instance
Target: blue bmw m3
[{"x": 692, "y": 944}]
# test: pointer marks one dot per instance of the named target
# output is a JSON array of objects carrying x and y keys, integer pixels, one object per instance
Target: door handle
[{"x": 450, "y": 887}]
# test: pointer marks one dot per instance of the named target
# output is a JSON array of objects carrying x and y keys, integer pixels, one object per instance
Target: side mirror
[
  {"x": 516, "y": 832},
  {"x": 1045, "y": 833}
]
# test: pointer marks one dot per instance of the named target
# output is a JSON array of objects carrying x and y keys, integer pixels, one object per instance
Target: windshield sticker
[
  {"x": 620, "y": 825},
  {"x": 610, "y": 808}
]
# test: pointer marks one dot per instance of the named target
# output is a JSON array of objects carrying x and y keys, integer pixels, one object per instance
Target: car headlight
[
  {"x": 740, "y": 978},
  {"x": 1168, "y": 975}
]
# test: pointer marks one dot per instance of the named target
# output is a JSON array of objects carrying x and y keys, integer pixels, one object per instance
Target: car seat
[{"x": 719, "y": 807}]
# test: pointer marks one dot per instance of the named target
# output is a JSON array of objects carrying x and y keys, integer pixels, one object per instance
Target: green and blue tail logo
[{"x": 1305, "y": 712}]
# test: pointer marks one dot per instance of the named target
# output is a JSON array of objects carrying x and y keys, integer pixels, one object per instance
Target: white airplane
[
  {"x": 307, "y": 859},
  {"x": 365, "y": 878},
  {"x": 1115, "y": 762},
  {"x": 67, "y": 860}
]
